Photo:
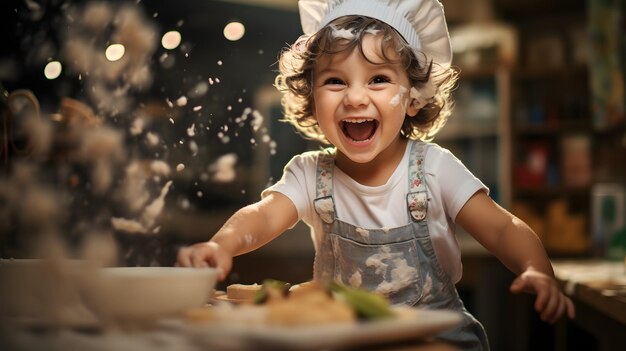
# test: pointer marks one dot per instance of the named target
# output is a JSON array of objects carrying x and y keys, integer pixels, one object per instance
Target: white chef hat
[{"x": 422, "y": 23}]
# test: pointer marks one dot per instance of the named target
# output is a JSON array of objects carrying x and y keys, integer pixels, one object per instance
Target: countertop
[
  {"x": 598, "y": 290},
  {"x": 600, "y": 284}
]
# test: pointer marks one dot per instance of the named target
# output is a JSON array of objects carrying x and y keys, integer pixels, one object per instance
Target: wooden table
[{"x": 598, "y": 289}]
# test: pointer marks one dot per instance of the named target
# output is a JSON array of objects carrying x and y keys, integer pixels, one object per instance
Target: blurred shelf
[
  {"x": 478, "y": 73},
  {"x": 545, "y": 12},
  {"x": 614, "y": 128},
  {"x": 478, "y": 132},
  {"x": 566, "y": 72},
  {"x": 550, "y": 129},
  {"x": 551, "y": 191},
  {"x": 467, "y": 130}
]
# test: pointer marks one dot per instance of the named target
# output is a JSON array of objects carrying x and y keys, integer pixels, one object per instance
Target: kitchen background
[{"x": 539, "y": 118}]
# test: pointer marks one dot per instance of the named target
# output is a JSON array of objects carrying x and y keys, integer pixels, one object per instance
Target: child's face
[{"x": 361, "y": 106}]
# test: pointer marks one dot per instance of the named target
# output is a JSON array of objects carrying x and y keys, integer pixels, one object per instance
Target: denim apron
[{"x": 399, "y": 263}]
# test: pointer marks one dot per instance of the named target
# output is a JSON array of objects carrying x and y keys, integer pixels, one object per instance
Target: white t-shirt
[{"x": 448, "y": 182}]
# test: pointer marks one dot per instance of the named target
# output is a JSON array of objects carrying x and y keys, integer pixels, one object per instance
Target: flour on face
[{"x": 395, "y": 100}]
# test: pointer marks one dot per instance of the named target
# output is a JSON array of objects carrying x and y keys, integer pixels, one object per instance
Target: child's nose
[{"x": 356, "y": 96}]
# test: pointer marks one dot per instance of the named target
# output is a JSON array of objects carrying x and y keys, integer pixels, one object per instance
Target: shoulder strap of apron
[
  {"x": 324, "y": 204},
  {"x": 417, "y": 197}
]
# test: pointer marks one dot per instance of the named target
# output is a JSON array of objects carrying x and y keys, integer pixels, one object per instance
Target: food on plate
[
  {"x": 242, "y": 292},
  {"x": 256, "y": 293},
  {"x": 366, "y": 304},
  {"x": 312, "y": 305},
  {"x": 272, "y": 290},
  {"x": 278, "y": 303},
  {"x": 302, "y": 287}
]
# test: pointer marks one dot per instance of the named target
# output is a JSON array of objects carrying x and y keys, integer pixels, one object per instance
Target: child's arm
[
  {"x": 248, "y": 229},
  {"x": 520, "y": 250}
]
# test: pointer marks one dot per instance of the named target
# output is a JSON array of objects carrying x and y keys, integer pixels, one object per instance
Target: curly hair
[{"x": 296, "y": 64}]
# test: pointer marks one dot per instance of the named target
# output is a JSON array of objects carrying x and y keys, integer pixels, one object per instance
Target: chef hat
[{"x": 421, "y": 22}]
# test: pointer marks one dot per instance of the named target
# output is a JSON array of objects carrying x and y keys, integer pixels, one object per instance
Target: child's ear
[{"x": 412, "y": 110}]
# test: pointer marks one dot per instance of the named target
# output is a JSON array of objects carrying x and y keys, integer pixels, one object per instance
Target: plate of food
[{"x": 313, "y": 317}]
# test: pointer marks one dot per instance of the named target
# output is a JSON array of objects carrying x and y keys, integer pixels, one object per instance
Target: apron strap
[
  {"x": 324, "y": 203},
  {"x": 417, "y": 198}
]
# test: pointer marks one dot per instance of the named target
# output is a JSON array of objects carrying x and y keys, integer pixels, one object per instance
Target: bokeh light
[
  {"x": 53, "y": 70},
  {"x": 115, "y": 52},
  {"x": 234, "y": 31},
  {"x": 171, "y": 40}
]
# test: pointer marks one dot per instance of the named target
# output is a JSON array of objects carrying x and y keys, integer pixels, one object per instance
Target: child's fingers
[
  {"x": 224, "y": 263},
  {"x": 542, "y": 300},
  {"x": 562, "y": 309},
  {"x": 183, "y": 258},
  {"x": 558, "y": 312},
  {"x": 205, "y": 255},
  {"x": 566, "y": 306},
  {"x": 198, "y": 259},
  {"x": 518, "y": 285},
  {"x": 550, "y": 303},
  {"x": 547, "y": 305}
]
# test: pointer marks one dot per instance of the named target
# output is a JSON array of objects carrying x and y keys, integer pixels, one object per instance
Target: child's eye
[
  {"x": 380, "y": 80},
  {"x": 333, "y": 81}
]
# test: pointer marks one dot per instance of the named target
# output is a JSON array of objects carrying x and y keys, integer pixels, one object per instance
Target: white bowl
[{"x": 147, "y": 293}]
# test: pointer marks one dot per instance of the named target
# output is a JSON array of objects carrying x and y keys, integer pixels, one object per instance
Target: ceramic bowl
[{"x": 147, "y": 293}]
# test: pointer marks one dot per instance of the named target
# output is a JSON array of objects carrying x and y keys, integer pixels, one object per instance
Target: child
[{"x": 373, "y": 79}]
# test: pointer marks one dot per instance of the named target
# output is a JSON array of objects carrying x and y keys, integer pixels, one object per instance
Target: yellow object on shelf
[{"x": 566, "y": 232}]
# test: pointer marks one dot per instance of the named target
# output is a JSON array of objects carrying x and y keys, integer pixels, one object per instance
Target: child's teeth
[{"x": 358, "y": 120}]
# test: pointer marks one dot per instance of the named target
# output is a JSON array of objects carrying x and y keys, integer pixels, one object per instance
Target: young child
[{"x": 373, "y": 79}]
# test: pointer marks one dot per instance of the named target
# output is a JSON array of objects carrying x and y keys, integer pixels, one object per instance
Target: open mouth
[{"x": 359, "y": 129}]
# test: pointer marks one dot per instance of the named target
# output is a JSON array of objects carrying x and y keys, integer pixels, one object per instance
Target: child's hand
[
  {"x": 204, "y": 255},
  {"x": 551, "y": 303}
]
